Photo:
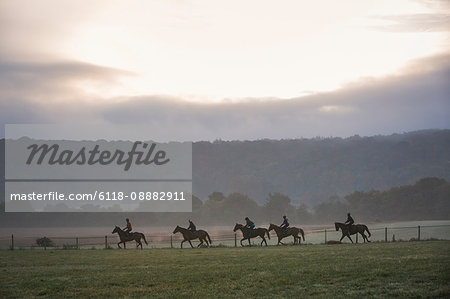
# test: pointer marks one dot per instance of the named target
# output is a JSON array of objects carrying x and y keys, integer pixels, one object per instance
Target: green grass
[{"x": 402, "y": 269}]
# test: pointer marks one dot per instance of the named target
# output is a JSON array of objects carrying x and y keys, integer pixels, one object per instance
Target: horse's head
[
  {"x": 116, "y": 229},
  {"x": 336, "y": 226},
  {"x": 237, "y": 226},
  {"x": 176, "y": 230},
  {"x": 272, "y": 226}
]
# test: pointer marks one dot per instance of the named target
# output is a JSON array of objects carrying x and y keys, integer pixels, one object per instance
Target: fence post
[
  {"x": 418, "y": 233},
  {"x": 235, "y": 240},
  {"x": 325, "y": 236},
  {"x": 171, "y": 242},
  {"x": 106, "y": 242},
  {"x": 12, "y": 241},
  {"x": 76, "y": 240},
  {"x": 385, "y": 234}
]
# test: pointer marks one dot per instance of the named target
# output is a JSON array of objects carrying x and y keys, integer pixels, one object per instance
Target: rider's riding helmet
[
  {"x": 348, "y": 214},
  {"x": 284, "y": 216},
  {"x": 127, "y": 219},
  {"x": 246, "y": 218}
]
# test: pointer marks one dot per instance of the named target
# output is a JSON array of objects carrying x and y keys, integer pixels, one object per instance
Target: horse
[
  {"x": 249, "y": 233},
  {"x": 129, "y": 236},
  {"x": 290, "y": 231},
  {"x": 190, "y": 235},
  {"x": 354, "y": 229}
]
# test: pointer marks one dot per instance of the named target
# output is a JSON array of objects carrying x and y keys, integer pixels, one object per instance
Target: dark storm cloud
[{"x": 419, "y": 98}]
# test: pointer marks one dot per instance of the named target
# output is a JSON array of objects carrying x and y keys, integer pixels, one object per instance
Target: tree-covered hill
[{"x": 312, "y": 170}]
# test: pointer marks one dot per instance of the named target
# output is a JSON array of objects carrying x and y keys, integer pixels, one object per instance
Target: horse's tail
[
  {"x": 303, "y": 234},
  {"x": 268, "y": 234},
  {"x": 365, "y": 227},
  {"x": 209, "y": 239},
  {"x": 143, "y": 237}
]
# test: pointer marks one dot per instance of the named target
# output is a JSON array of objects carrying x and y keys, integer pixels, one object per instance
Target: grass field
[{"x": 401, "y": 269}]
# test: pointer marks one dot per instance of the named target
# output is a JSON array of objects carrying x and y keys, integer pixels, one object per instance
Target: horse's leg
[
  {"x": 241, "y": 242},
  {"x": 182, "y": 243},
  {"x": 190, "y": 243},
  {"x": 118, "y": 244},
  {"x": 348, "y": 236},
  {"x": 342, "y": 237},
  {"x": 124, "y": 245},
  {"x": 249, "y": 244},
  {"x": 364, "y": 237},
  {"x": 367, "y": 238},
  {"x": 201, "y": 242}
]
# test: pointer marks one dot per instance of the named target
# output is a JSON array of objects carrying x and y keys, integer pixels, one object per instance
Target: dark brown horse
[
  {"x": 249, "y": 233},
  {"x": 189, "y": 235},
  {"x": 290, "y": 231},
  {"x": 127, "y": 237},
  {"x": 354, "y": 229}
]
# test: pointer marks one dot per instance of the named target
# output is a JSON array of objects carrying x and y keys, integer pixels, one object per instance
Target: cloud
[
  {"x": 50, "y": 92},
  {"x": 416, "y": 98},
  {"x": 416, "y": 23},
  {"x": 53, "y": 77},
  {"x": 441, "y": 5}
]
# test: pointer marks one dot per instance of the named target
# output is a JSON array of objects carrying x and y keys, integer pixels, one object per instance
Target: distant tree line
[{"x": 427, "y": 199}]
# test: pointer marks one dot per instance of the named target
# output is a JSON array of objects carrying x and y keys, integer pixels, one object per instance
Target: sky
[{"x": 206, "y": 70}]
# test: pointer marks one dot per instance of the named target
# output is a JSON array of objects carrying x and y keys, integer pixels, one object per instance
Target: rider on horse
[
  {"x": 249, "y": 223},
  {"x": 349, "y": 221},
  {"x": 128, "y": 228},
  {"x": 285, "y": 223},
  {"x": 191, "y": 226}
]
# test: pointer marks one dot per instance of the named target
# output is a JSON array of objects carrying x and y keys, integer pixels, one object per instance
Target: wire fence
[{"x": 225, "y": 239}]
